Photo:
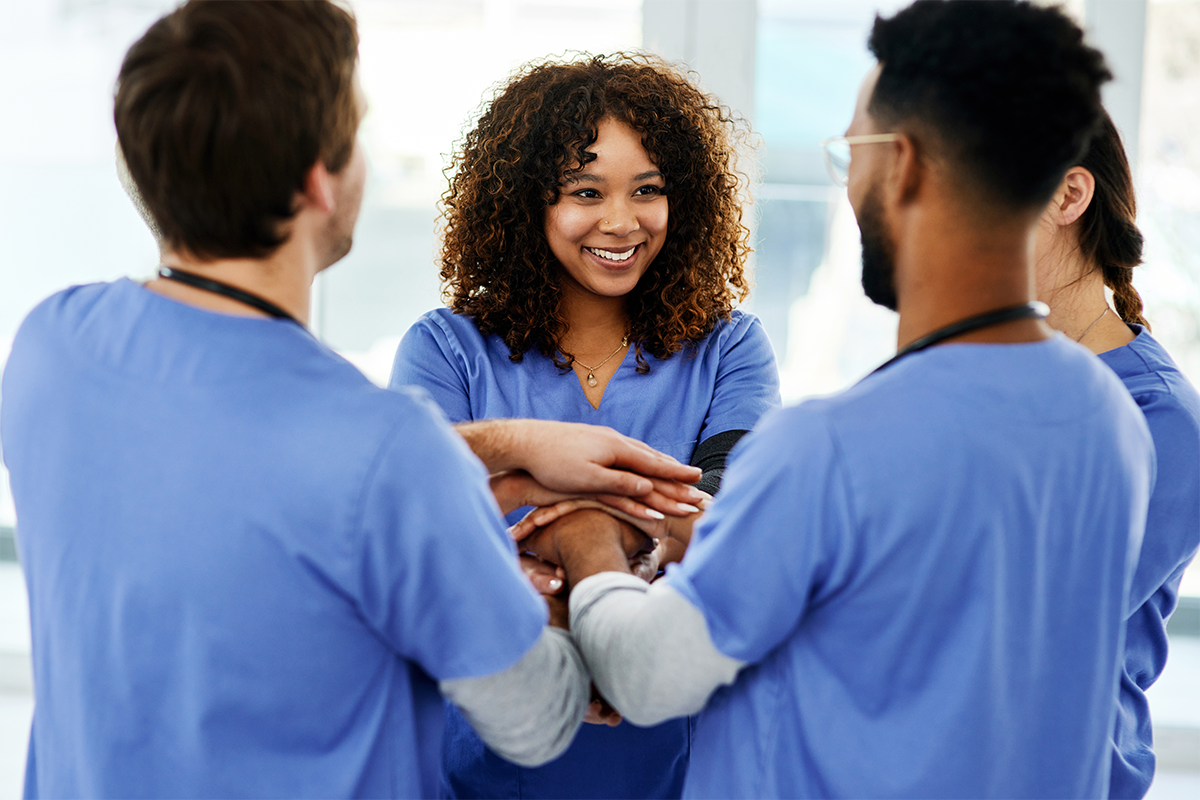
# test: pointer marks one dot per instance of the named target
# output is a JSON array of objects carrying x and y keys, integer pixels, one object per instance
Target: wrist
[
  {"x": 494, "y": 442},
  {"x": 588, "y": 542},
  {"x": 507, "y": 488},
  {"x": 679, "y": 530}
]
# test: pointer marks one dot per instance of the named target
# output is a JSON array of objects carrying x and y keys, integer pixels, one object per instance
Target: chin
[{"x": 339, "y": 251}]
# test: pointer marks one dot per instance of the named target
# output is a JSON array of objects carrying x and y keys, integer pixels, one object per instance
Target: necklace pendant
[{"x": 591, "y": 379}]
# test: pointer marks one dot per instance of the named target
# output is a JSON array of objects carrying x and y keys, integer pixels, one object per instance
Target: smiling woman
[
  {"x": 535, "y": 147},
  {"x": 610, "y": 223},
  {"x": 594, "y": 210}
]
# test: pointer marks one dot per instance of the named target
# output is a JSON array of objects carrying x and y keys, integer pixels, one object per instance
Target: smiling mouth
[{"x": 609, "y": 255}]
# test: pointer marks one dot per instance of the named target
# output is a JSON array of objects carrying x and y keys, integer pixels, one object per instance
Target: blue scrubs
[
  {"x": 726, "y": 382},
  {"x": 247, "y": 566},
  {"x": 927, "y": 575},
  {"x": 1172, "y": 410}
]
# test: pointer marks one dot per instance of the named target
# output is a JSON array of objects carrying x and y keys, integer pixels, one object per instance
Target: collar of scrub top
[
  {"x": 1034, "y": 310},
  {"x": 224, "y": 289}
]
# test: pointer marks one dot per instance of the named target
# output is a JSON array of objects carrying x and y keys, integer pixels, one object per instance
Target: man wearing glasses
[{"x": 941, "y": 554}]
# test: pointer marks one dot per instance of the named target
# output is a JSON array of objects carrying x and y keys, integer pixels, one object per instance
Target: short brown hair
[
  {"x": 496, "y": 262},
  {"x": 221, "y": 109}
]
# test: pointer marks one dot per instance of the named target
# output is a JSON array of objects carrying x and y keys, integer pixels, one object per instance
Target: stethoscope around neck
[
  {"x": 225, "y": 290},
  {"x": 1033, "y": 310}
]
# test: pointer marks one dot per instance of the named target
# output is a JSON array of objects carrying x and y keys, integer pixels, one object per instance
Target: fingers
[
  {"x": 546, "y": 578},
  {"x": 575, "y": 457},
  {"x": 681, "y": 493},
  {"x": 516, "y": 488},
  {"x": 638, "y": 457},
  {"x": 603, "y": 480},
  {"x": 654, "y": 528},
  {"x": 645, "y": 566},
  {"x": 657, "y": 502},
  {"x": 601, "y": 713},
  {"x": 541, "y": 517},
  {"x": 631, "y": 506}
]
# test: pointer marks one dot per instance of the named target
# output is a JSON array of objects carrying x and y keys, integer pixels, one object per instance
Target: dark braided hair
[{"x": 1108, "y": 232}]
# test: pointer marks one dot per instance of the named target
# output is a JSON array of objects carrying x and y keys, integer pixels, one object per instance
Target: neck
[
  {"x": 594, "y": 323},
  {"x": 283, "y": 278},
  {"x": 948, "y": 269},
  {"x": 1073, "y": 287}
]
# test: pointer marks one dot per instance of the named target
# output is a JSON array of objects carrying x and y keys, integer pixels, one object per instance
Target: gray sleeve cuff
[
  {"x": 648, "y": 648},
  {"x": 528, "y": 713}
]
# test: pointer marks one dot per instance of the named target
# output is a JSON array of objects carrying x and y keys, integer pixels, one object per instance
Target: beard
[{"x": 878, "y": 253}]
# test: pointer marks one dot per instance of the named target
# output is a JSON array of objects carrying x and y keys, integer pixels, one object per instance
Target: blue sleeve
[
  {"x": 747, "y": 384},
  {"x": 1173, "y": 522},
  {"x": 429, "y": 357},
  {"x": 438, "y": 575},
  {"x": 778, "y": 536}
]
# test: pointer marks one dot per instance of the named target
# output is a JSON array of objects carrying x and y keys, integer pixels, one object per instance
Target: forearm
[
  {"x": 648, "y": 648},
  {"x": 590, "y": 542},
  {"x": 495, "y": 442},
  {"x": 530, "y": 712}
]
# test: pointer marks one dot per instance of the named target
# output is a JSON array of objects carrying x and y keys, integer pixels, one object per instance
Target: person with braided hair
[{"x": 1088, "y": 240}]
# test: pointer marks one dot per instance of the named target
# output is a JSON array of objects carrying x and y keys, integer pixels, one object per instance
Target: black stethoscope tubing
[
  {"x": 224, "y": 289},
  {"x": 1034, "y": 310}
]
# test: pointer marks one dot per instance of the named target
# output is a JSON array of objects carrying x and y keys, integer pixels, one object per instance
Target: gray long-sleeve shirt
[
  {"x": 528, "y": 713},
  {"x": 648, "y": 648}
]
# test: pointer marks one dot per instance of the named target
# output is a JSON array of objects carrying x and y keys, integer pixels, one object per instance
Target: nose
[{"x": 619, "y": 218}]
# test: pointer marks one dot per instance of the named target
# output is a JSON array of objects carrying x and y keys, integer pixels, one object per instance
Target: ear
[
  {"x": 1072, "y": 197},
  {"x": 318, "y": 189},
  {"x": 908, "y": 171}
]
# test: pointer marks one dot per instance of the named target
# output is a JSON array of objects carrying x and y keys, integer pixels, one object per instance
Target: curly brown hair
[{"x": 497, "y": 266}]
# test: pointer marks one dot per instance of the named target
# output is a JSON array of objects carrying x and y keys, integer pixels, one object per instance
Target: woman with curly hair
[
  {"x": 593, "y": 251},
  {"x": 1088, "y": 240}
]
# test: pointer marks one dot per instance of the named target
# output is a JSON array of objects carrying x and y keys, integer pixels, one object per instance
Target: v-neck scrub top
[
  {"x": 1172, "y": 410},
  {"x": 724, "y": 382}
]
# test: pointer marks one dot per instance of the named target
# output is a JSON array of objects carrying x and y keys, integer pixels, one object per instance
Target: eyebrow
[{"x": 588, "y": 177}]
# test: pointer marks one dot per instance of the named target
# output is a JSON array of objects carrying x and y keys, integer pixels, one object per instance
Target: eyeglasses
[{"x": 837, "y": 152}]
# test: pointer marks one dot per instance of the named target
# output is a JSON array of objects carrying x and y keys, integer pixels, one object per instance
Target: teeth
[{"x": 610, "y": 256}]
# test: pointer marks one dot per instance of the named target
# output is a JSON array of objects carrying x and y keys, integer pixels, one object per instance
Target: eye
[
  {"x": 586, "y": 194},
  {"x": 648, "y": 190}
]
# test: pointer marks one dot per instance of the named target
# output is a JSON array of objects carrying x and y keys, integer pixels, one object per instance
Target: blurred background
[{"x": 791, "y": 67}]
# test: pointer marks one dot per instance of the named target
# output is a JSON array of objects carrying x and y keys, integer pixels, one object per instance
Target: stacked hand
[
  {"x": 566, "y": 460},
  {"x": 564, "y": 467},
  {"x": 572, "y": 472}
]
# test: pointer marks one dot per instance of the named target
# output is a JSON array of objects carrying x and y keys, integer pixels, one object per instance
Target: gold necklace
[
  {"x": 1088, "y": 329},
  {"x": 591, "y": 376}
]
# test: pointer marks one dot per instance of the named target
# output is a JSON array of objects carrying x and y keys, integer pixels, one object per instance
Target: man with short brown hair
[{"x": 252, "y": 572}]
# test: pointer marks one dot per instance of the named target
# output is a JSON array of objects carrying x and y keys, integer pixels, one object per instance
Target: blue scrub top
[
  {"x": 725, "y": 382},
  {"x": 1172, "y": 410},
  {"x": 247, "y": 565},
  {"x": 927, "y": 575}
]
